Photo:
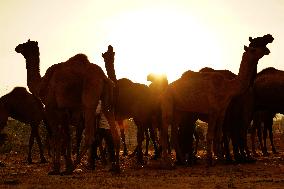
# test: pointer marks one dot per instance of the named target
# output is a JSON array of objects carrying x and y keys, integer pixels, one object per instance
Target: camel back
[{"x": 226, "y": 73}]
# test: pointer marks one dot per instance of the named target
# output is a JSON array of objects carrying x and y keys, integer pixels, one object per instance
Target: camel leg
[
  {"x": 259, "y": 135},
  {"x": 90, "y": 129},
  {"x": 187, "y": 130},
  {"x": 115, "y": 140},
  {"x": 175, "y": 142},
  {"x": 147, "y": 142},
  {"x": 264, "y": 150},
  {"x": 226, "y": 142},
  {"x": 68, "y": 160},
  {"x": 55, "y": 143},
  {"x": 122, "y": 135},
  {"x": 218, "y": 135},
  {"x": 209, "y": 137},
  {"x": 42, "y": 158},
  {"x": 196, "y": 143},
  {"x": 271, "y": 136},
  {"x": 154, "y": 140},
  {"x": 165, "y": 145},
  {"x": 252, "y": 137},
  {"x": 31, "y": 143},
  {"x": 92, "y": 156},
  {"x": 79, "y": 132},
  {"x": 140, "y": 138}
]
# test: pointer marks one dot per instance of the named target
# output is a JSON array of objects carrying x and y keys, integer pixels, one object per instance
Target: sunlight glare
[{"x": 163, "y": 41}]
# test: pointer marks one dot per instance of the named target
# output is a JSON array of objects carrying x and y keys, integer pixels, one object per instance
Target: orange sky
[{"x": 168, "y": 36}]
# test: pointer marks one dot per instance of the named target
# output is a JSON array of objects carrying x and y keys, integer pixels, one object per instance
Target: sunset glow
[
  {"x": 148, "y": 36},
  {"x": 161, "y": 41}
]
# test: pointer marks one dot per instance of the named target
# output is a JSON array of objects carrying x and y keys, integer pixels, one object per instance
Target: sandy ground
[{"x": 267, "y": 172}]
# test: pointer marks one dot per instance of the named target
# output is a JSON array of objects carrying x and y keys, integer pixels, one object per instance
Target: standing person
[{"x": 103, "y": 132}]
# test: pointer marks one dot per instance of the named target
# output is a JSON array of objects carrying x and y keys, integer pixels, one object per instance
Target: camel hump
[
  {"x": 206, "y": 69},
  {"x": 19, "y": 90},
  {"x": 226, "y": 73},
  {"x": 267, "y": 70},
  {"x": 79, "y": 58},
  {"x": 125, "y": 81},
  {"x": 188, "y": 74}
]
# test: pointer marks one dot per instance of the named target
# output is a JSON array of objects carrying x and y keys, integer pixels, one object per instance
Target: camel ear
[
  {"x": 246, "y": 48},
  {"x": 29, "y": 40},
  {"x": 250, "y": 39}
]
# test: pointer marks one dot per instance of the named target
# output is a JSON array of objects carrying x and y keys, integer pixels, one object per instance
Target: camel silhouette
[
  {"x": 262, "y": 122},
  {"x": 207, "y": 93},
  {"x": 72, "y": 86},
  {"x": 268, "y": 91},
  {"x": 132, "y": 100},
  {"x": 25, "y": 107}
]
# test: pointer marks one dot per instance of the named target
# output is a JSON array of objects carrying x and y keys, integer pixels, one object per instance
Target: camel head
[
  {"x": 109, "y": 55},
  {"x": 28, "y": 49},
  {"x": 254, "y": 54},
  {"x": 261, "y": 42}
]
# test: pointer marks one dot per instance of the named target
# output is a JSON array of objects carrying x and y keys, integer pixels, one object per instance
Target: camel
[
  {"x": 132, "y": 100},
  {"x": 235, "y": 121},
  {"x": 108, "y": 57},
  {"x": 207, "y": 93},
  {"x": 136, "y": 101},
  {"x": 262, "y": 122},
  {"x": 235, "y": 127},
  {"x": 268, "y": 95},
  {"x": 67, "y": 88},
  {"x": 25, "y": 107}
]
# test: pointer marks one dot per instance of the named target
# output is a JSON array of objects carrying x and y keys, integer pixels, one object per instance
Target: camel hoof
[
  {"x": 250, "y": 159},
  {"x": 43, "y": 160},
  {"x": 155, "y": 157},
  {"x": 90, "y": 167},
  {"x": 179, "y": 163},
  {"x": 30, "y": 161},
  {"x": 209, "y": 162},
  {"x": 255, "y": 154},
  {"x": 54, "y": 172},
  {"x": 115, "y": 168},
  {"x": 265, "y": 153},
  {"x": 67, "y": 172}
]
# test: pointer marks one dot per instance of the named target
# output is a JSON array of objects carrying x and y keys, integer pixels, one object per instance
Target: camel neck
[
  {"x": 109, "y": 65},
  {"x": 246, "y": 75},
  {"x": 33, "y": 74}
]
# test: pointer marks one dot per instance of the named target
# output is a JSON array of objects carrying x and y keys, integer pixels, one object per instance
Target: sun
[{"x": 162, "y": 41}]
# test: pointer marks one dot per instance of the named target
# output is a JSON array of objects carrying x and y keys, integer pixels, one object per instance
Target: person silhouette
[{"x": 103, "y": 132}]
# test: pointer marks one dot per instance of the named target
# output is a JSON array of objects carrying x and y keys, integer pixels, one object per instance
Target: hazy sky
[{"x": 169, "y": 36}]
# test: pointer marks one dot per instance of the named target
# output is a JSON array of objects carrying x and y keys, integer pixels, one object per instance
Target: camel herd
[{"x": 69, "y": 93}]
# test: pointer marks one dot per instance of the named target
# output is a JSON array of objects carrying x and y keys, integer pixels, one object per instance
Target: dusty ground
[{"x": 267, "y": 172}]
